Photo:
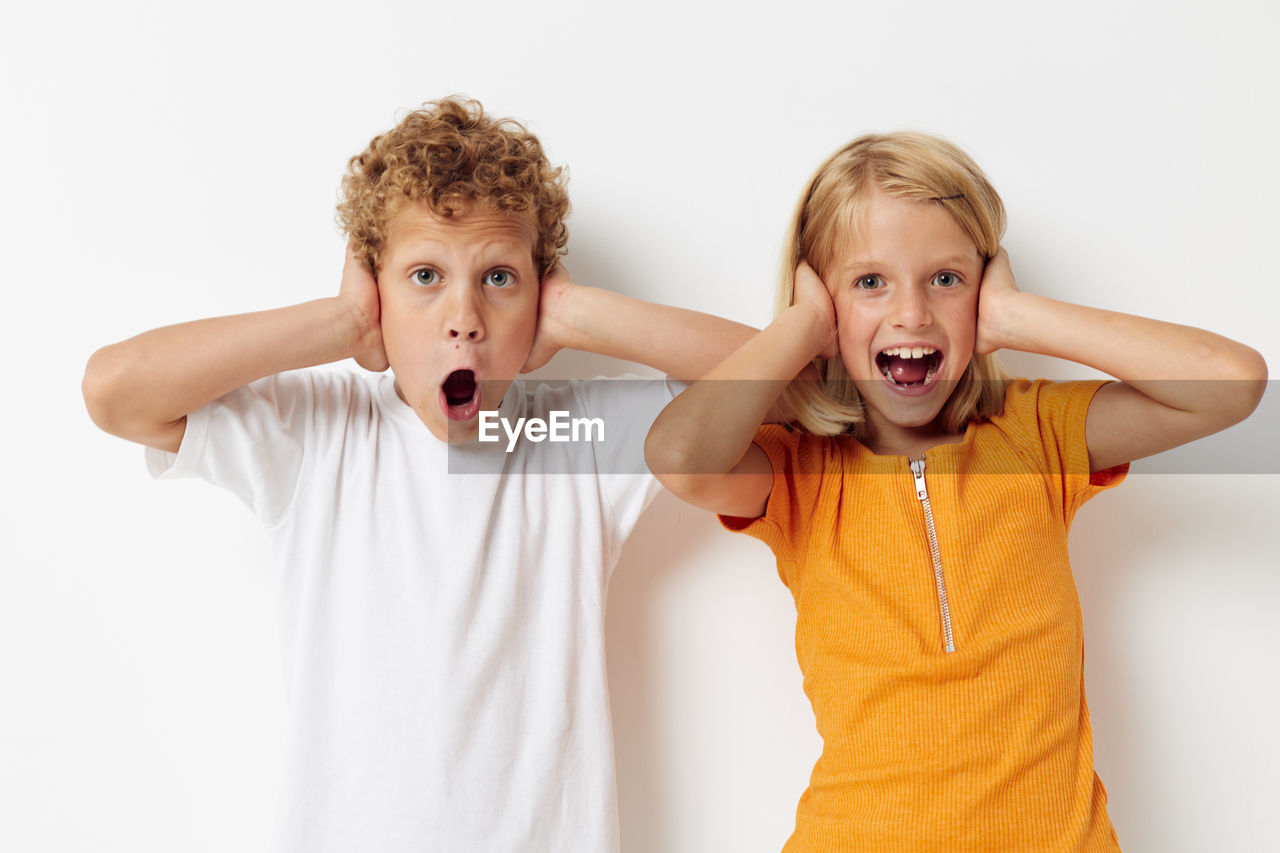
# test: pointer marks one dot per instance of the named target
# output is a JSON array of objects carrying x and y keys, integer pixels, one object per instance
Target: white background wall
[{"x": 164, "y": 161}]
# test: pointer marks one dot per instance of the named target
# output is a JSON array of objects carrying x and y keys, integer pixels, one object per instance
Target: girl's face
[{"x": 905, "y": 288}]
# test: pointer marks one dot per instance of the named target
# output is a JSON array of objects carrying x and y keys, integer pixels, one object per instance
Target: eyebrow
[
  {"x": 488, "y": 248},
  {"x": 950, "y": 261},
  {"x": 498, "y": 242},
  {"x": 959, "y": 261}
]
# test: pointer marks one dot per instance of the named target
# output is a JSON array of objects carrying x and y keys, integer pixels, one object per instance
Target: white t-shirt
[{"x": 442, "y": 632}]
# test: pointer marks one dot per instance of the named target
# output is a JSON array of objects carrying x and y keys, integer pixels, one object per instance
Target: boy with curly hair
[{"x": 442, "y": 631}]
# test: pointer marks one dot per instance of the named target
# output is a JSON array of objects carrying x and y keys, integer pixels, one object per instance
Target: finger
[{"x": 812, "y": 278}]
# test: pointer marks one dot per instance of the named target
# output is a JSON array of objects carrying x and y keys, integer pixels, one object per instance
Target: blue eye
[
  {"x": 869, "y": 282},
  {"x": 946, "y": 279},
  {"x": 426, "y": 277},
  {"x": 500, "y": 278}
]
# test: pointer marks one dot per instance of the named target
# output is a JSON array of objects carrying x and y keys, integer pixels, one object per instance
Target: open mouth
[
  {"x": 909, "y": 367},
  {"x": 460, "y": 395}
]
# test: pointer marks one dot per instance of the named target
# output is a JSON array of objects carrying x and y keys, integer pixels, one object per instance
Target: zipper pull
[{"x": 917, "y": 471}]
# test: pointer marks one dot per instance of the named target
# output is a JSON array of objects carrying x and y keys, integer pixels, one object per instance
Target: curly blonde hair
[
  {"x": 907, "y": 165},
  {"x": 447, "y": 155}
]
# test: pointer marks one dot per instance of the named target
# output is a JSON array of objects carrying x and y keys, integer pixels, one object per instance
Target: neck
[{"x": 911, "y": 442}]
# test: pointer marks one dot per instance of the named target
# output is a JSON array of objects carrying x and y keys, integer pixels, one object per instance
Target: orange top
[{"x": 987, "y": 747}]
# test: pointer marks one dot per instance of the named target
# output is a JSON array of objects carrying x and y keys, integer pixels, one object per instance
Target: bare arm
[
  {"x": 1177, "y": 383},
  {"x": 682, "y": 344},
  {"x": 700, "y": 446},
  {"x": 143, "y": 388}
]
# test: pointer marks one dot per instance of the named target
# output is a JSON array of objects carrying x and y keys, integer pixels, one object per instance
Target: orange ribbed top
[{"x": 987, "y": 748}]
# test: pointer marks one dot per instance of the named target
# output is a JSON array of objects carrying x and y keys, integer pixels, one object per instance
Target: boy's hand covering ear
[
  {"x": 553, "y": 326},
  {"x": 812, "y": 294},
  {"x": 359, "y": 292},
  {"x": 997, "y": 286}
]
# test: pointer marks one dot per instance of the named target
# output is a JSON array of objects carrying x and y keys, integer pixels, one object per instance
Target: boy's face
[{"x": 459, "y": 311}]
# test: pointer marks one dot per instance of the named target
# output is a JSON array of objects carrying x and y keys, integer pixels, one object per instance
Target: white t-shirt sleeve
[
  {"x": 628, "y": 406},
  {"x": 249, "y": 442}
]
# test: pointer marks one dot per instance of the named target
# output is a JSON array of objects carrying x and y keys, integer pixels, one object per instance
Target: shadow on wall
[
  {"x": 1178, "y": 589},
  {"x": 655, "y": 557},
  {"x": 714, "y": 736}
]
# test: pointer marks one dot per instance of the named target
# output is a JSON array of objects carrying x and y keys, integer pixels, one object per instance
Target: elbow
[
  {"x": 120, "y": 400},
  {"x": 98, "y": 387},
  {"x": 662, "y": 455},
  {"x": 685, "y": 472},
  {"x": 671, "y": 461},
  {"x": 109, "y": 391},
  {"x": 1248, "y": 382}
]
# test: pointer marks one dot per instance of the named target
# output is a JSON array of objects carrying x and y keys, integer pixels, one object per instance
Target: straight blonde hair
[{"x": 906, "y": 165}]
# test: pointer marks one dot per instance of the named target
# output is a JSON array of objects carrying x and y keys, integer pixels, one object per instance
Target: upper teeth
[{"x": 910, "y": 352}]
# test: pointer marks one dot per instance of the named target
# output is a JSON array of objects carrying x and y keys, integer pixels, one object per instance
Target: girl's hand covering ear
[
  {"x": 997, "y": 287},
  {"x": 811, "y": 294},
  {"x": 359, "y": 292},
  {"x": 551, "y": 335}
]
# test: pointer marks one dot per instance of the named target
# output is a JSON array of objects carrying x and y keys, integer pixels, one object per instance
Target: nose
[
  {"x": 464, "y": 319},
  {"x": 910, "y": 308}
]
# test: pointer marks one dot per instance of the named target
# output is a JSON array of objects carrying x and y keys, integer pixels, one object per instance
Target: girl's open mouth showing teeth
[
  {"x": 460, "y": 395},
  {"x": 909, "y": 366}
]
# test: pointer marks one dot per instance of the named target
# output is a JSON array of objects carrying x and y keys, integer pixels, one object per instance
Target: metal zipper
[{"x": 922, "y": 493}]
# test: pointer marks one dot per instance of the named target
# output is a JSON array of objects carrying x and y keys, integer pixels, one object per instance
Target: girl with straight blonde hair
[
  {"x": 911, "y": 166},
  {"x": 918, "y": 502}
]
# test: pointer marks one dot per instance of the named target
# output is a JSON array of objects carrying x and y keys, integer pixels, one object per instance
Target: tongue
[{"x": 908, "y": 370}]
